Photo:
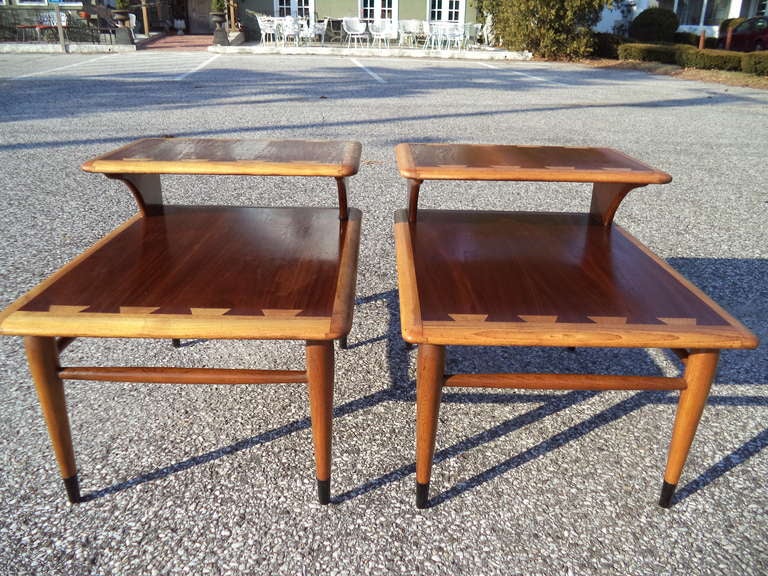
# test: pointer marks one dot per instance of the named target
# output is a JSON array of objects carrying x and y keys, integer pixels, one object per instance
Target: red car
[{"x": 752, "y": 34}]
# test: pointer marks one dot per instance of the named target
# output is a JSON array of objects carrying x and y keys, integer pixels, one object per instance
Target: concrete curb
[
  {"x": 75, "y": 47},
  {"x": 372, "y": 52},
  {"x": 71, "y": 48}
]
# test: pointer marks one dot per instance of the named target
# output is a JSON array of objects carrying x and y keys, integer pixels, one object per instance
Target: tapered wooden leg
[
  {"x": 320, "y": 376},
  {"x": 700, "y": 369},
  {"x": 430, "y": 373},
  {"x": 42, "y": 355}
]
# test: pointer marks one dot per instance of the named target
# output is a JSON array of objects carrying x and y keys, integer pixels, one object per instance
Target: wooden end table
[
  {"x": 546, "y": 279},
  {"x": 203, "y": 272}
]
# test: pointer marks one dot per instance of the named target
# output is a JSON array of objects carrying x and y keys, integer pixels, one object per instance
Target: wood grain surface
[
  {"x": 507, "y": 162},
  {"x": 233, "y": 157},
  {"x": 546, "y": 279},
  {"x": 196, "y": 270}
]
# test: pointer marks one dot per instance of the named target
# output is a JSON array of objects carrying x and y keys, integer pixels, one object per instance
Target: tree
[{"x": 560, "y": 29}]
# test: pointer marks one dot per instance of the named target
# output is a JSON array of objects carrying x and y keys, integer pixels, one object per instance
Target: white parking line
[
  {"x": 531, "y": 76},
  {"x": 371, "y": 73},
  {"x": 197, "y": 68},
  {"x": 60, "y": 68}
]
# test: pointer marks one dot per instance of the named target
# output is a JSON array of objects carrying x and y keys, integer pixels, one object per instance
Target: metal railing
[{"x": 39, "y": 24}]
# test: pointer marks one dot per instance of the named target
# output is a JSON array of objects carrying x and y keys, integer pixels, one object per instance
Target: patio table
[
  {"x": 220, "y": 272},
  {"x": 478, "y": 278}
]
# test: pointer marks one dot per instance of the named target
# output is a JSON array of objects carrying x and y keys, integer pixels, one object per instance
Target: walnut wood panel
[
  {"x": 539, "y": 163},
  {"x": 547, "y": 279},
  {"x": 181, "y": 375},
  {"x": 563, "y": 381},
  {"x": 234, "y": 157},
  {"x": 430, "y": 367},
  {"x": 43, "y": 364},
  {"x": 699, "y": 372},
  {"x": 208, "y": 271},
  {"x": 320, "y": 373}
]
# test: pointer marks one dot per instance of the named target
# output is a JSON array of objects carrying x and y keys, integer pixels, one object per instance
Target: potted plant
[
  {"x": 218, "y": 12},
  {"x": 121, "y": 12},
  {"x": 218, "y": 17},
  {"x": 121, "y": 15}
]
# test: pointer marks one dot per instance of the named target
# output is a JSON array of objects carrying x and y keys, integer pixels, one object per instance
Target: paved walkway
[{"x": 186, "y": 43}]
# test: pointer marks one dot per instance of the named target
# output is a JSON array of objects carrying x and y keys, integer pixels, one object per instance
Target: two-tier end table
[
  {"x": 546, "y": 279},
  {"x": 216, "y": 272}
]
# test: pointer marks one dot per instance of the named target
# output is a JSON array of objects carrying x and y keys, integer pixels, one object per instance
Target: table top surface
[
  {"x": 525, "y": 163},
  {"x": 231, "y": 156},
  {"x": 204, "y": 272},
  {"x": 523, "y": 278}
]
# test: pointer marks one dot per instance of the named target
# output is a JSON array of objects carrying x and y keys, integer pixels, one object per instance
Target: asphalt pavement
[{"x": 220, "y": 479}]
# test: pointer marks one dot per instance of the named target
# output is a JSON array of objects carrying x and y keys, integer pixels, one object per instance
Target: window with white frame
[
  {"x": 31, "y": 2},
  {"x": 378, "y": 10},
  {"x": 446, "y": 10},
  {"x": 295, "y": 8}
]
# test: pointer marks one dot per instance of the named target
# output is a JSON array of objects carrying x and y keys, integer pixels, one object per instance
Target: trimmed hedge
[
  {"x": 690, "y": 57},
  {"x": 710, "y": 59},
  {"x": 755, "y": 63},
  {"x": 649, "y": 53}
]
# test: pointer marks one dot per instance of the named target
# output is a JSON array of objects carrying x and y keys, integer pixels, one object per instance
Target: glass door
[
  {"x": 302, "y": 9},
  {"x": 371, "y": 10},
  {"x": 446, "y": 11}
]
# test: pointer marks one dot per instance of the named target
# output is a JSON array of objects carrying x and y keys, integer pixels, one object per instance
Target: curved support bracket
[
  {"x": 146, "y": 190},
  {"x": 606, "y": 197},
  {"x": 341, "y": 184},
  {"x": 413, "y": 198}
]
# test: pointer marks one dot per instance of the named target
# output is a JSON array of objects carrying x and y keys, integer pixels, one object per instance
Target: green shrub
[
  {"x": 607, "y": 45},
  {"x": 690, "y": 57},
  {"x": 755, "y": 63},
  {"x": 649, "y": 53},
  {"x": 710, "y": 59},
  {"x": 218, "y": 5},
  {"x": 654, "y": 25},
  {"x": 548, "y": 28}
]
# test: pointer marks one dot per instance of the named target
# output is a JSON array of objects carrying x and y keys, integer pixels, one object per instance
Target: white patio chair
[
  {"x": 382, "y": 31},
  {"x": 312, "y": 32},
  {"x": 453, "y": 36},
  {"x": 355, "y": 29},
  {"x": 410, "y": 30},
  {"x": 471, "y": 34},
  {"x": 289, "y": 30},
  {"x": 434, "y": 35},
  {"x": 267, "y": 27}
]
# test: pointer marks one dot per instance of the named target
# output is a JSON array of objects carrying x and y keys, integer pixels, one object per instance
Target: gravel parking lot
[{"x": 220, "y": 480}]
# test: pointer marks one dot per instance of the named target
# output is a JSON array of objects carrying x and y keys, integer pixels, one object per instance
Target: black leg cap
[
  {"x": 73, "y": 489},
  {"x": 422, "y": 495},
  {"x": 176, "y": 342},
  {"x": 343, "y": 343},
  {"x": 324, "y": 491},
  {"x": 667, "y": 491}
]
